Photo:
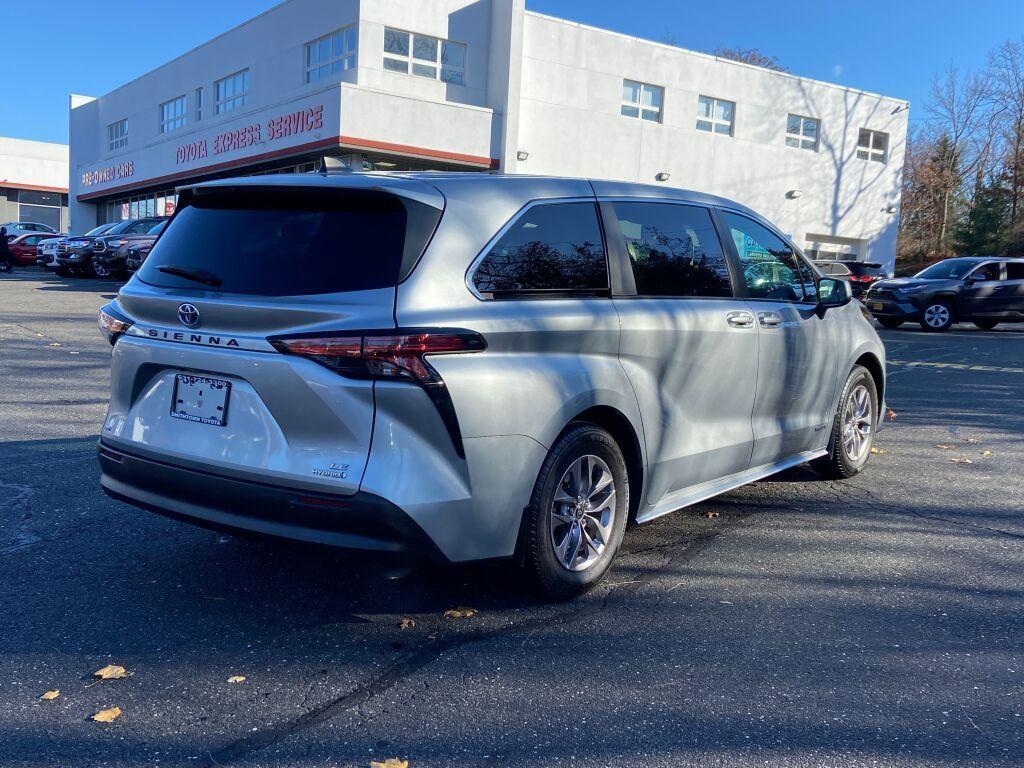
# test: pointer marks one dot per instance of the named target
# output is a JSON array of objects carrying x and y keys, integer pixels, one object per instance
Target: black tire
[
  {"x": 62, "y": 272},
  {"x": 839, "y": 464},
  {"x": 889, "y": 322},
  {"x": 943, "y": 311},
  {"x": 554, "y": 578},
  {"x": 100, "y": 271},
  {"x": 986, "y": 325}
]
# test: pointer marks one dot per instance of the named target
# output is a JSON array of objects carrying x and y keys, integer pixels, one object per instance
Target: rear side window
[
  {"x": 550, "y": 248},
  {"x": 674, "y": 250},
  {"x": 290, "y": 242},
  {"x": 1014, "y": 270}
]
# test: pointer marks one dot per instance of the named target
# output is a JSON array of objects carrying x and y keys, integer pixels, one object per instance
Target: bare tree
[
  {"x": 1006, "y": 75},
  {"x": 750, "y": 56}
]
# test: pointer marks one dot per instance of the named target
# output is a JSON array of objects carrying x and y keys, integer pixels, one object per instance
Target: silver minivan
[{"x": 467, "y": 367}]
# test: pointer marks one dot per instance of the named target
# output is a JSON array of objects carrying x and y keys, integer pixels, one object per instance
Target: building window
[
  {"x": 872, "y": 145},
  {"x": 117, "y": 135},
  {"x": 172, "y": 114},
  {"x": 642, "y": 100},
  {"x": 715, "y": 115},
  {"x": 424, "y": 56},
  {"x": 331, "y": 54},
  {"x": 802, "y": 132},
  {"x": 232, "y": 92},
  {"x": 199, "y": 104}
]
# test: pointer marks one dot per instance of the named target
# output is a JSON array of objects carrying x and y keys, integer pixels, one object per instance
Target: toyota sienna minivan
[{"x": 469, "y": 367}]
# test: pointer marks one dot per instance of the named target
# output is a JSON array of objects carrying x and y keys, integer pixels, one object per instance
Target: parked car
[
  {"x": 15, "y": 228},
  {"x": 77, "y": 256},
  {"x": 137, "y": 254},
  {"x": 861, "y": 274},
  {"x": 981, "y": 289},
  {"x": 47, "y": 252},
  {"x": 520, "y": 368},
  {"x": 110, "y": 251},
  {"x": 25, "y": 248}
]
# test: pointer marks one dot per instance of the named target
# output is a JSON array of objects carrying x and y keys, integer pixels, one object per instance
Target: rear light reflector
[{"x": 112, "y": 323}]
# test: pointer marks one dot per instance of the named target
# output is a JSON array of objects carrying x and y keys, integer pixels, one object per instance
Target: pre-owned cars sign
[{"x": 123, "y": 170}]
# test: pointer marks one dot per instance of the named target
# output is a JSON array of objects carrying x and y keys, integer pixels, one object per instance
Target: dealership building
[
  {"x": 486, "y": 86},
  {"x": 34, "y": 182}
]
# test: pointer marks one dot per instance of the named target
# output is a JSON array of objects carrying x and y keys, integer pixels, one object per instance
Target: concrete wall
[
  {"x": 31, "y": 165},
  {"x": 571, "y": 125}
]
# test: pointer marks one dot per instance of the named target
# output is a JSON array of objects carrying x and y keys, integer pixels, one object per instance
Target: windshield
[
  {"x": 950, "y": 269},
  {"x": 98, "y": 231},
  {"x": 278, "y": 242}
]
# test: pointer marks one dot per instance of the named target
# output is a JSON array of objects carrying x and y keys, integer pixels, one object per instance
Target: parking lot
[{"x": 794, "y": 622}]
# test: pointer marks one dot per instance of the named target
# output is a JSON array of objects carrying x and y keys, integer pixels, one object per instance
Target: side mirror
[{"x": 834, "y": 293}]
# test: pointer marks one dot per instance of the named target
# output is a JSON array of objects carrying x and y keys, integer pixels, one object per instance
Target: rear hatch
[{"x": 199, "y": 378}]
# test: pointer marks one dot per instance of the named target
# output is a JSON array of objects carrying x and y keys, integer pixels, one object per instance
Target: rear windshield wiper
[{"x": 195, "y": 275}]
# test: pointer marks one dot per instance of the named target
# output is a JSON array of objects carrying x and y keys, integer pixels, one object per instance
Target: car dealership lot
[{"x": 793, "y": 622}]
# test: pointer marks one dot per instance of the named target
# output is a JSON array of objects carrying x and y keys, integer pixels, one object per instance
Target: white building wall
[
  {"x": 570, "y": 123},
  {"x": 35, "y": 166}
]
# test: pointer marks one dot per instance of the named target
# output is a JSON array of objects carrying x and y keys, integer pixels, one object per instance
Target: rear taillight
[
  {"x": 113, "y": 324},
  {"x": 389, "y": 355},
  {"x": 864, "y": 278},
  {"x": 395, "y": 355}
]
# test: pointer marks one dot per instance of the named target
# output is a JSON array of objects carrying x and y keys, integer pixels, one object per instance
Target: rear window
[{"x": 290, "y": 242}]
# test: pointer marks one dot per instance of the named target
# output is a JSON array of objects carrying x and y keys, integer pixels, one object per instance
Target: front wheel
[
  {"x": 937, "y": 317},
  {"x": 986, "y": 325},
  {"x": 577, "y": 514},
  {"x": 853, "y": 429},
  {"x": 889, "y": 322},
  {"x": 99, "y": 269}
]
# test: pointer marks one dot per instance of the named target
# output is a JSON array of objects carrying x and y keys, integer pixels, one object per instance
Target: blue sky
[{"x": 59, "y": 47}]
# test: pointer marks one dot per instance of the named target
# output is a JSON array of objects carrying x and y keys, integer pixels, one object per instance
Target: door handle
[
  {"x": 740, "y": 319},
  {"x": 769, "y": 319}
]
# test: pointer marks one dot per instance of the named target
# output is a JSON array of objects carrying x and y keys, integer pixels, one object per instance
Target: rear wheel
[
  {"x": 889, "y": 322},
  {"x": 853, "y": 429},
  {"x": 577, "y": 514},
  {"x": 937, "y": 316},
  {"x": 986, "y": 325}
]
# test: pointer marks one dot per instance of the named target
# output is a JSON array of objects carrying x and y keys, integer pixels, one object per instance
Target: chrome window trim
[{"x": 471, "y": 271}]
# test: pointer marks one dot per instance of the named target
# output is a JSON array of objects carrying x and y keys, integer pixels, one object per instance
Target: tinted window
[
  {"x": 771, "y": 269},
  {"x": 551, "y": 247},
  {"x": 281, "y": 242},
  {"x": 986, "y": 272},
  {"x": 1014, "y": 270},
  {"x": 950, "y": 269},
  {"x": 674, "y": 250}
]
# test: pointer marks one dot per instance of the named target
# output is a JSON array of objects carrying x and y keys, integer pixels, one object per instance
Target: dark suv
[
  {"x": 983, "y": 289},
  {"x": 861, "y": 275},
  {"x": 110, "y": 251}
]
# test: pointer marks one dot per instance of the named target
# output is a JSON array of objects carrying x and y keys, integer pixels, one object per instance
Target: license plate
[
  {"x": 200, "y": 399},
  {"x": 876, "y": 305}
]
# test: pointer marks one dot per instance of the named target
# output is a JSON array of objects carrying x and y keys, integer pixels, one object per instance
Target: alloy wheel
[
  {"x": 100, "y": 269},
  {"x": 937, "y": 316},
  {"x": 582, "y": 513},
  {"x": 857, "y": 424}
]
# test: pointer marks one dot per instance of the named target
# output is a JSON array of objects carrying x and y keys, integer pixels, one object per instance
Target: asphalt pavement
[{"x": 795, "y": 622}]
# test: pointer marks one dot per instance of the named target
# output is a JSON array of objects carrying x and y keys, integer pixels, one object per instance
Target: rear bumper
[{"x": 360, "y": 522}]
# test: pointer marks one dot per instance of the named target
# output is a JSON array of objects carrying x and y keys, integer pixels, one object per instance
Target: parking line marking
[{"x": 955, "y": 366}]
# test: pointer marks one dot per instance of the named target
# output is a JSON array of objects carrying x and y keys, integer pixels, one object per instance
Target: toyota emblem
[{"x": 189, "y": 315}]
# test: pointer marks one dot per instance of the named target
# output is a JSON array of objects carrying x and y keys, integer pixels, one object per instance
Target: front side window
[
  {"x": 715, "y": 115},
  {"x": 986, "y": 272},
  {"x": 802, "y": 132},
  {"x": 551, "y": 248},
  {"x": 642, "y": 101},
  {"x": 117, "y": 135},
  {"x": 674, "y": 250},
  {"x": 424, "y": 56},
  {"x": 331, "y": 54},
  {"x": 232, "y": 92},
  {"x": 172, "y": 114},
  {"x": 872, "y": 145},
  {"x": 771, "y": 269}
]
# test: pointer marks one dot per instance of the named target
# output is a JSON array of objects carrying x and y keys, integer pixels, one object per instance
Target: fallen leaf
[
  {"x": 725, "y": 602},
  {"x": 406, "y": 624},
  {"x": 391, "y": 762},
  {"x": 890, "y": 415},
  {"x": 110, "y": 672},
  {"x": 972, "y": 440},
  {"x": 876, "y": 450},
  {"x": 55, "y": 344},
  {"x": 986, "y": 453},
  {"x": 236, "y": 679},
  {"x": 460, "y": 613},
  {"x": 50, "y": 695},
  {"x": 942, "y": 447},
  {"x": 107, "y": 715},
  {"x": 961, "y": 460},
  {"x": 712, "y": 515}
]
